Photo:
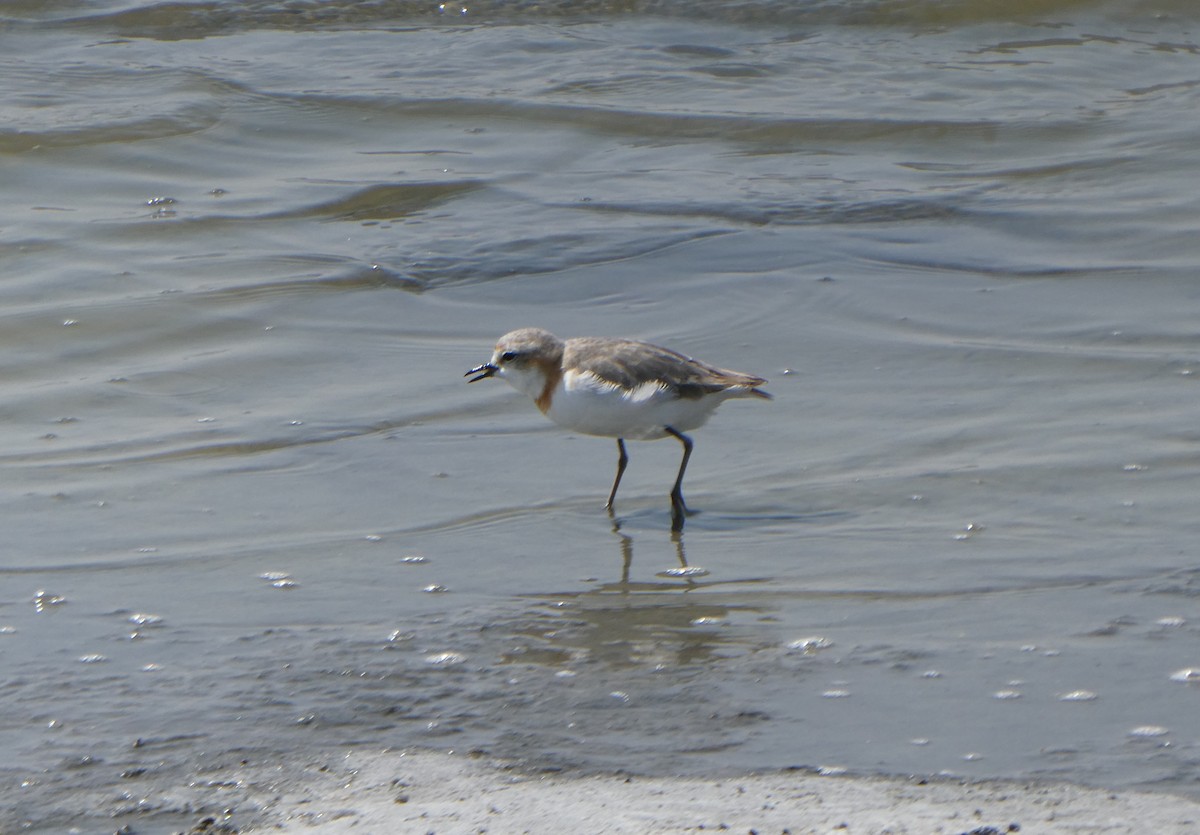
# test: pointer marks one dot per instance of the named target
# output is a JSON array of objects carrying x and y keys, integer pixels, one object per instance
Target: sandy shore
[{"x": 446, "y": 793}]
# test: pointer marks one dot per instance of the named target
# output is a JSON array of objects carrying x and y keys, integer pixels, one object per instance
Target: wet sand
[{"x": 452, "y": 793}]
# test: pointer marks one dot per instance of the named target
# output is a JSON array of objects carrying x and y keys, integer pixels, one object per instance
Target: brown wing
[{"x": 629, "y": 364}]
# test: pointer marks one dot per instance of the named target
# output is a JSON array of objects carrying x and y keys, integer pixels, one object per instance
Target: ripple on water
[
  {"x": 143, "y": 619},
  {"x": 685, "y": 571},
  {"x": 1078, "y": 696},
  {"x": 115, "y": 105},
  {"x": 810, "y": 645},
  {"x": 1148, "y": 732},
  {"x": 43, "y": 600},
  {"x": 278, "y": 579},
  {"x": 445, "y": 659}
]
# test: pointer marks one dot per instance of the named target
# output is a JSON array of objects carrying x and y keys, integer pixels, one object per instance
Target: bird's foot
[{"x": 679, "y": 513}]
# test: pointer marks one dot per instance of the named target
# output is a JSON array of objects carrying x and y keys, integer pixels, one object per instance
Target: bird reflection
[
  {"x": 627, "y": 622},
  {"x": 685, "y": 572}
]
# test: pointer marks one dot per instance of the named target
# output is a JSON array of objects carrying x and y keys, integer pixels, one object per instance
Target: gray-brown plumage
[{"x": 628, "y": 363}]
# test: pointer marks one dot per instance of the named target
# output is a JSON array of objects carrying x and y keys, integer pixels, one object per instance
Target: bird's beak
[{"x": 485, "y": 370}]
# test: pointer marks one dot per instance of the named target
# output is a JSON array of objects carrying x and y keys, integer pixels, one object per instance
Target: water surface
[{"x": 254, "y": 517}]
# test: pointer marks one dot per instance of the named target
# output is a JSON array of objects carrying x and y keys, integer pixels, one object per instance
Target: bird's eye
[{"x": 508, "y": 356}]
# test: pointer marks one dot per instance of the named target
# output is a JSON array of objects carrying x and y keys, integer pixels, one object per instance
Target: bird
[{"x": 617, "y": 388}]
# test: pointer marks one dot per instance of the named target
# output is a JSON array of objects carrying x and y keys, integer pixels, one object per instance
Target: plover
[{"x": 617, "y": 388}]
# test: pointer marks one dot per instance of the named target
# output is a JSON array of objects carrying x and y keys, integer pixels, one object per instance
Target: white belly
[{"x": 582, "y": 404}]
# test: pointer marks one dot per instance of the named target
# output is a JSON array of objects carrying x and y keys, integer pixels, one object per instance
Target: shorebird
[{"x": 617, "y": 388}]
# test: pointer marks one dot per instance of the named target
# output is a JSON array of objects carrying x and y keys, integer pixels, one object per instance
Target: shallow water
[{"x": 248, "y": 251}]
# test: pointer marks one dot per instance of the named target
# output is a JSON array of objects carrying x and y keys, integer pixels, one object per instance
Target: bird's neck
[{"x": 538, "y": 381}]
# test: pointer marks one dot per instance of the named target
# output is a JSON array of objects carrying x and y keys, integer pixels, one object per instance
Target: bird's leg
[
  {"x": 622, "y": 460},
  {"x": 678, "y": 508}
]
